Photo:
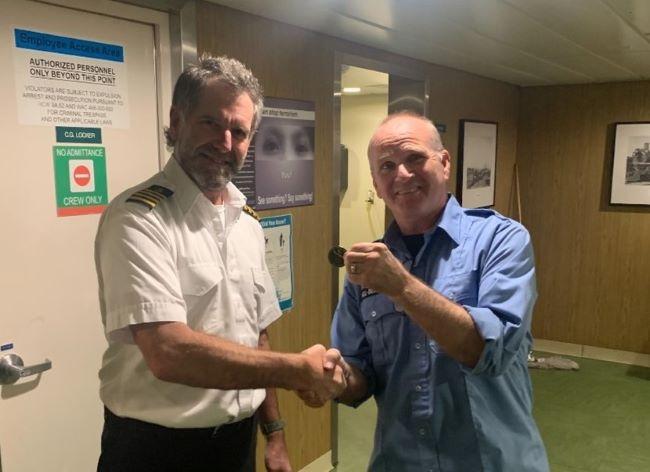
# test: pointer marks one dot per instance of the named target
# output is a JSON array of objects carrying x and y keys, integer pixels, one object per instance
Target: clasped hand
[
  {"x": 329, "y": 374},
  {"x": 373, "y": 266}
]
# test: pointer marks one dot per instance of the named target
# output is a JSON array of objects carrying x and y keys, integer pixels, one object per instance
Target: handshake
[{"x": 328, "y": 375}]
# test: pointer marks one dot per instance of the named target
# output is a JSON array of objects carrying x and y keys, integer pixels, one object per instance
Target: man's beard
[
  {"x": 210, "y": 174},
  {"x": 212, "y": 181}
]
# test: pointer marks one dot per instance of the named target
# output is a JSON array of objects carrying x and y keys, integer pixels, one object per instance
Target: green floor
[{"x": 594, "y": 420}]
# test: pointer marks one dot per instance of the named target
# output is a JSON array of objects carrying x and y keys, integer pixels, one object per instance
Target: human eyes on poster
[
  {"x": 631, "y": 164},
  {"x": 477, "y": 150},
  {"x": 279, "y": 168}
]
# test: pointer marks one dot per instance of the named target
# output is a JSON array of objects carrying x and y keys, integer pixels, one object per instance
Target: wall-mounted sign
[
  {"x": 80, "y": 180},
  {"x": 279, "y": 169},
  {"x": 279, "y": 257},
  {"x": 62, "y": 80},
  {"x": 66, "y": 134}
]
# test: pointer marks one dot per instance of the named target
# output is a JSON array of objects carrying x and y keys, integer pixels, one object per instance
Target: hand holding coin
[{"x": 335, "y": 256}]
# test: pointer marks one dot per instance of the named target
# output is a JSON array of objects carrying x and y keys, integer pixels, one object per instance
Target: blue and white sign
[
  {"x": 279, "y": 256},
  {"x": 68, "y": 81}
]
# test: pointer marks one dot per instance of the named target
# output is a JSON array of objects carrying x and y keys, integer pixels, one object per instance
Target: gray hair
[{"x": 190, "y": 84}]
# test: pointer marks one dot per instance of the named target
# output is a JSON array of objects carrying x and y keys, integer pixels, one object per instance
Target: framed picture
[
  {"x": 631, "y": 164},
  {"x": 477, "y": 159}
]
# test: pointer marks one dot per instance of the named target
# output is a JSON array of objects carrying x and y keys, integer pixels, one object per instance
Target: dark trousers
[{"x": 130, "y": 445}]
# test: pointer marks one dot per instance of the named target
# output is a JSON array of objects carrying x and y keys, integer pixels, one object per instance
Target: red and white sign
[{"x": 82, "y": 176}]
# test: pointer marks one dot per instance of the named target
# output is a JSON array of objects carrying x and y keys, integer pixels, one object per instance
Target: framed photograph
[
  {"x": 631, "y": 164},
  {"x": 477, "y": 160}
]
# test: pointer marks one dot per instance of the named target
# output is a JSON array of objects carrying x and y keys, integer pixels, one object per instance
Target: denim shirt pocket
[
  {"x": 383, "y": 326},
  {"x": 461, "y": 288}
]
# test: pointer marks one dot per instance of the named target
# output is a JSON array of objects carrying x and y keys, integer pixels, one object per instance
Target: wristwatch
[{"x": 272, "y": 427}]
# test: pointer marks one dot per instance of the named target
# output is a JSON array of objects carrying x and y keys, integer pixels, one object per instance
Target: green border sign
[{"x": 80, "y": 180}]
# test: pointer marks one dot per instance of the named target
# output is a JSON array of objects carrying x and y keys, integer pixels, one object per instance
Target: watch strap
[{"x": 272, "y": 427}]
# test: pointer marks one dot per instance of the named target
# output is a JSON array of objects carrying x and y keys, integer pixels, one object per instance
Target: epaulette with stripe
[
  {"x": 150, "y": 196},
  {"x": 251, "y": 212}
]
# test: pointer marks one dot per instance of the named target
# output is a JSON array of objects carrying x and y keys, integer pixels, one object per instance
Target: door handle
[{"x": 13, "y": 368}]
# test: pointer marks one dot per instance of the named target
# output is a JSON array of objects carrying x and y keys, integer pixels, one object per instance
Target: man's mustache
[{"x": 227, "y": 159}]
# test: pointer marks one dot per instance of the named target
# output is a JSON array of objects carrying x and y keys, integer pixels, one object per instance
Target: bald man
[{"x": 434, "y": 321}]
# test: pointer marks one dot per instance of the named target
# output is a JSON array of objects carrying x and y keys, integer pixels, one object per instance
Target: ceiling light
[{"x": 351, "y": 89}]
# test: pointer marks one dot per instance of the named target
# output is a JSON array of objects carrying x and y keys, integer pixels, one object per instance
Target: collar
[
  {"x": 188, "y": 194},
  {"x": 449, "y": 222}
]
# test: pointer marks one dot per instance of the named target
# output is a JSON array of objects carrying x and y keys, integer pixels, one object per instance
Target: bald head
[
  {"x": 393, "y": 122},
  {"x": 410, "y": 169}
]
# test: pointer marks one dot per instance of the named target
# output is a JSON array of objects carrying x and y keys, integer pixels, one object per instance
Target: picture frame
[
  {"x": 630, "y": 184},
  {"x": 477, "y": 160}
]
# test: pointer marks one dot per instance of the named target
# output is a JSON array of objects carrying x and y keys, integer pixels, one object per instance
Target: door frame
[{"x": 340, "y": 59}]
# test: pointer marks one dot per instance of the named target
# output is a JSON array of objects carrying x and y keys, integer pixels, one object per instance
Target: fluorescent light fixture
[{"x": 351, "y": 89}]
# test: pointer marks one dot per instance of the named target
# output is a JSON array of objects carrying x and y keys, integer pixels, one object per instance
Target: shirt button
[
  {"x": 418, "y": 388},
  {"x": 418, "y": 345},
  {"x": 373, "y": 314}
]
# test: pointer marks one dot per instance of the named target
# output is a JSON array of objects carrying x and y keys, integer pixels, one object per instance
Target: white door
[{"x": 79, "y": 124}]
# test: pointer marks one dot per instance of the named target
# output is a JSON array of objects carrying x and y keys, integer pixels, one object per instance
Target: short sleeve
[{"x": 138, "y": 279}]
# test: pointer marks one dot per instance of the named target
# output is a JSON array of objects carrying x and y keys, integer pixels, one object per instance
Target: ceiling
[{"x": 523, "y": 42}]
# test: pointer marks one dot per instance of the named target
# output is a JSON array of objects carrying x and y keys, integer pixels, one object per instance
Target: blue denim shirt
[{"x": 435, "y": 414}]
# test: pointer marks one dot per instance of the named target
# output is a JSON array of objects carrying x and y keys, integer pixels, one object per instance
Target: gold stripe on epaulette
[
  {"x": 251, "y": 212},
  {"x": 147, "y": 196},
  {"x": 148, "y": 193},
  {"x": 137, "y": 199},
  {"x": 150, "y": 196}
]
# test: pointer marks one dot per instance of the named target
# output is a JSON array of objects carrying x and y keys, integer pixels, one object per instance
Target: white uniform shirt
[{"x": 179, "y": 262}]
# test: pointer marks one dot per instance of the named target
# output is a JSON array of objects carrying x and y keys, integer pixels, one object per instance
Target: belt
[{"x": 210, "y": 432}]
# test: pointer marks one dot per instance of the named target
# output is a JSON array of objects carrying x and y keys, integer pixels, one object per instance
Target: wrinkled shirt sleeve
[{"x": 506, "y": 295}]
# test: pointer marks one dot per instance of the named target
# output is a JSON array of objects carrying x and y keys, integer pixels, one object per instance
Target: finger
[
  {"x": 347, "y": 370},
  {"x": 315, "y": 349},
  {"x": 360, "y": 248},
  {"x": 331, "y": 358}
]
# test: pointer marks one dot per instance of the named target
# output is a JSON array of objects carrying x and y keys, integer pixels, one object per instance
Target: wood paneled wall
[
  {"x": 592, "y": 258},
  {"x": 291, "y": 63},
  {"x": 294, "y": 63},
  {"x": 455, "y": 95}
]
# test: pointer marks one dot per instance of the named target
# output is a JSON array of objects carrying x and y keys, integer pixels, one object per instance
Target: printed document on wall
[
  {"x": 62, "y": 80},
  {"x": 279, "y": 257}
]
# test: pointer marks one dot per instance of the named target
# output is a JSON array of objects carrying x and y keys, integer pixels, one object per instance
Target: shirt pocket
[
  {"x": 197, "y": 279},
  {"x": 461, "y": 288},
  {"x": 384, "y": 327}
]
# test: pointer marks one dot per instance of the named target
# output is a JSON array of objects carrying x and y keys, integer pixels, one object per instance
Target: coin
[{"x": 335, "y": 256}]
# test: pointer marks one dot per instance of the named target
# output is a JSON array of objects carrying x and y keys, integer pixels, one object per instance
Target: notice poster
[
  {"x": 279, "y": 169},
  {"x": 80, "y": 180},
  {"x": 278, "y": 253},
  {"x": 69, "y": 81}
]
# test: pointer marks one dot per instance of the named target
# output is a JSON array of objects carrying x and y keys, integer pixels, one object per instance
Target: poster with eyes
[{"x": 279, "y": 168}]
